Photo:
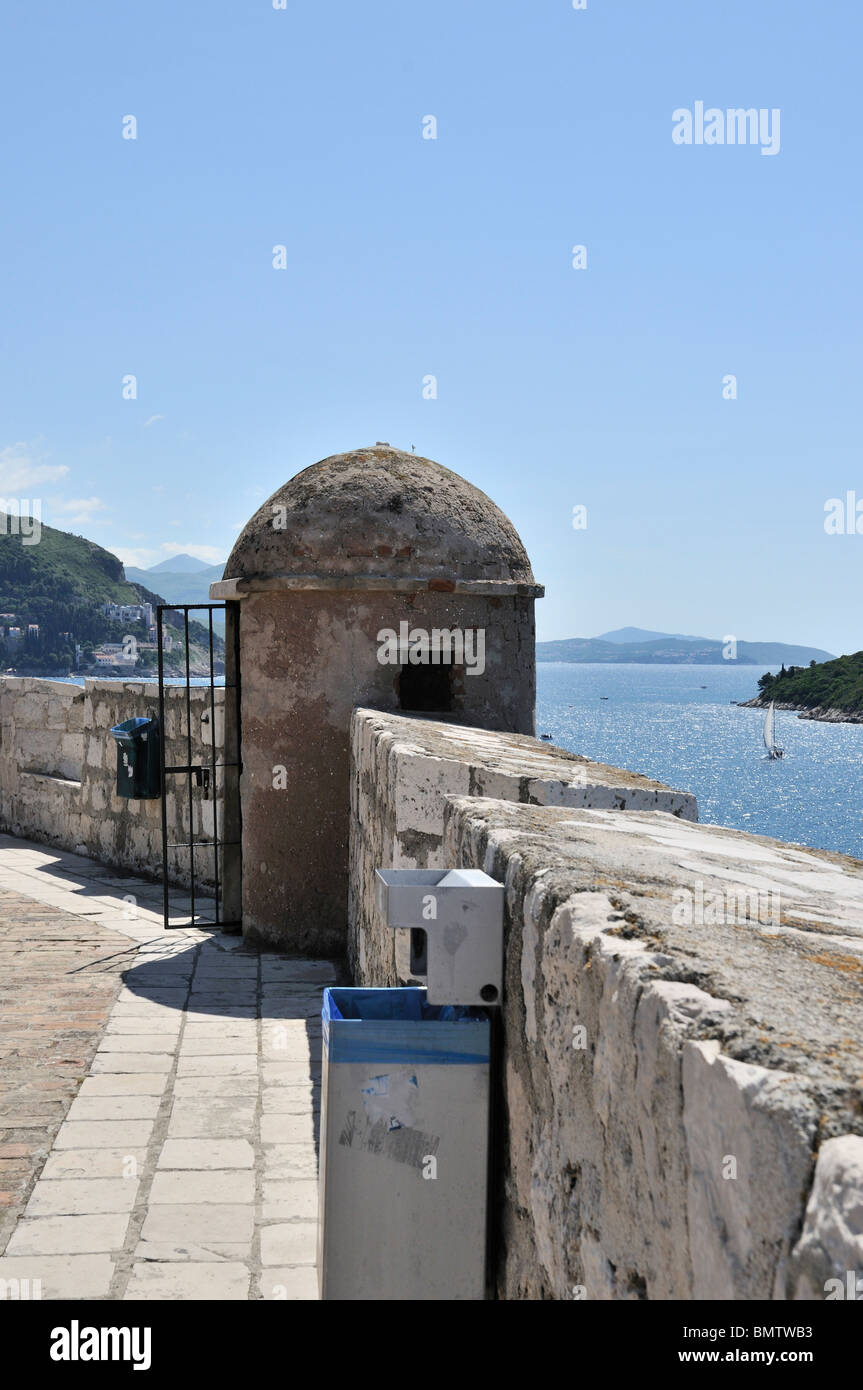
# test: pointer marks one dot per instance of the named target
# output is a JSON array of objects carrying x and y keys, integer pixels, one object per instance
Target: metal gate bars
[{"x": 200, "y": 779}]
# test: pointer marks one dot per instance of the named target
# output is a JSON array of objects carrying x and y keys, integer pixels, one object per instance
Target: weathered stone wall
[
  {"x": 58, "y": 769},
  {"x": 41, "y": 758},
  {"x": 402, "y": 771},
  {"x": 682, "y": 1023},
  {"x": 669, "y": 1150}
]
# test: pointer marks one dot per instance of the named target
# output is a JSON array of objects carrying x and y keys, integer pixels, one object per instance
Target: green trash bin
[{"x": 138, "y": 772}]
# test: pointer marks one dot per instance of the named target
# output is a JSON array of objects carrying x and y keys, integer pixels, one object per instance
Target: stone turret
[{"x": 372, "y": 578}]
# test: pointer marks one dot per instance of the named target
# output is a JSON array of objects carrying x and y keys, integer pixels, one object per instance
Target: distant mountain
[
  {"x": 641, "y": 634},
  {"x": 181, "y": 586},
  {"x": 668, "y": 650},
  {"x": 181, "y": 564}
]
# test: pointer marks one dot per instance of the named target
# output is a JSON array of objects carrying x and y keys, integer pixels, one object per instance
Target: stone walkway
[{"x": 185, "y": 1166}]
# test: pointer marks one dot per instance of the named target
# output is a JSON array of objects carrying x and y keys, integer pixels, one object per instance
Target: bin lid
[
  {"x": 132, "y": 728},
  {"x": 398, "y": 1026}
]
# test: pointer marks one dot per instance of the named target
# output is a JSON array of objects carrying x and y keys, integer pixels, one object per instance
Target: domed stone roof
[{"x": 379, "y": 512}]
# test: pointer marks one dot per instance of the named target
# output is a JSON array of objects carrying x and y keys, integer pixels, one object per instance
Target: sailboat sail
[
  {"x": 773, "y": 749},
  {"x": 769, "y": 723}
]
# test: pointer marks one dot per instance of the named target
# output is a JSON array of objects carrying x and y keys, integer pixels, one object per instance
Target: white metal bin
[{"x": 404, "y": 1147}]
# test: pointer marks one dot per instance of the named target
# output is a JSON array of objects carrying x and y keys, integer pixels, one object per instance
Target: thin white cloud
[
  {"x": 152, "y": 420},
  {"x": 21, "y": 470},
  {"x": 140, "y": 559},
  {"x": 81, "y": 509}
]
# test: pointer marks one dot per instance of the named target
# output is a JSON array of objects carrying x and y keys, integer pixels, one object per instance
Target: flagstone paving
[{"x": 168, "y": 1082}]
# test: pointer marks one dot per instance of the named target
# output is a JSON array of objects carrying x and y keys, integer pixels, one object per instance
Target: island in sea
[
  {"x": 828, "y": 690},
  {"x": 635, "y": 644}
]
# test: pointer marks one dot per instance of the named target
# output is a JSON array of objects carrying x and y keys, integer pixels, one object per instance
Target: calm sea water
[
  {"x": 169, "y": 680},
  {"x": 657, "y": 720}
]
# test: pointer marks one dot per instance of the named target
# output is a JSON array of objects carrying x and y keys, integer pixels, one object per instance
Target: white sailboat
[{"x": 773, "y": 749}]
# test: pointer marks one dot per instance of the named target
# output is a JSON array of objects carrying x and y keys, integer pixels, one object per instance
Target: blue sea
[
  {"x": 152, "y": 679},
  {"x": 658, "y": 720}
]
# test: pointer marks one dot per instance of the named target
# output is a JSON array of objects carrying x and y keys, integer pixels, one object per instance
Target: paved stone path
[
  {"x": 59, "y": 977},
  {"x": 186, "y": 1164}
]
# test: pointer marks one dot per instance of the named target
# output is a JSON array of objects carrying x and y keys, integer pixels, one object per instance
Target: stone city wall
[
  {"x": 402, "y": 771},
  {"x": 58, "y": 771},
  {"x": 682, "y": 1019}
]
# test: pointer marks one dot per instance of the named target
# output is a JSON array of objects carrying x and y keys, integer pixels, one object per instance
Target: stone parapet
[
  {"x": 402, "y": 771},
  {"x": 683, "y": 1020},
  {"x": 58, "y": 770}
]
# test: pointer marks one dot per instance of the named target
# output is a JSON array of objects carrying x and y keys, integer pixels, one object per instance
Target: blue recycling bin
[{"x": 404, "y": 1147}]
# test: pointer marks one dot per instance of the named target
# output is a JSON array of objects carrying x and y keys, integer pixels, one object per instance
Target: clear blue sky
[{"x": 452, "y": 257}]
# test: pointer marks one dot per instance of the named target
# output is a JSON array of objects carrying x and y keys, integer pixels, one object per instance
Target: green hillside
[
  {"x": 836, "y": 685},
  {"x": 61, "y": 583}
]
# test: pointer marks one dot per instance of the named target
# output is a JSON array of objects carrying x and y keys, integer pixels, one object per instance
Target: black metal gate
[{"x": 200, "y": 779}]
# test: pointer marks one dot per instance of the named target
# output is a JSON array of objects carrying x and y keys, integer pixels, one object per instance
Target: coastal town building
[
  {"x": 130, "y": 612},
  {"x": 114, "y": 654}
]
